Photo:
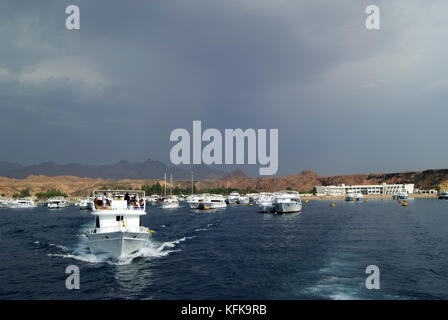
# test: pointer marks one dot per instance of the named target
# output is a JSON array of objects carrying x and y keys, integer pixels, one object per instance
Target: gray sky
[{"x": 345, "y": 99}]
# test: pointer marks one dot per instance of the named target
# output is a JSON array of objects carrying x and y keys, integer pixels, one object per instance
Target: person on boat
[
  {"x": 142, "y": 203},
  {"x": 104, "y": 199},
  {"x": 127, "y": 198}
]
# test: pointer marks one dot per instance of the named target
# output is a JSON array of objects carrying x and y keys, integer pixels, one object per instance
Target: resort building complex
[{"x": 342, "y": 189}]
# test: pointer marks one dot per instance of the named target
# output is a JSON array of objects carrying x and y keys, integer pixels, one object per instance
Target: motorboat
[
  {"x": 265, "y": 202},
  {"x": 350, "y": 196},
  {"x": 118, "y": 231},
  {"x": 83, "y": 203},
  {"x": 233, "y": 197},
  {"x": 243, "y": 199},
  {"x": 4, "y": 202},
  {"x": 21, "y": 203},
  {"x": 153, "y": 199},
  {"x": 195, "y": 200},
  {"x": 169, "y": 203},
  {"x": 287, "y": 201},
  {"x": 213, "y": 202},
  {"x": 57, "y": 203}
]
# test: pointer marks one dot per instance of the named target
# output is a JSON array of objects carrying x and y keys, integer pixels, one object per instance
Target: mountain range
[{"x": 149, "y": 169}]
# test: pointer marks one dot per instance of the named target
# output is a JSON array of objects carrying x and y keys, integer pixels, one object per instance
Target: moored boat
[
  {"x": 265, "y": 202},
  {"x": 350, "y": 196},
  {"x": 287, "y": 201},
  {"x": 57, "y": 203},
  {"x": 213, "y": 201},
  {"x": 21, "y": 203},
  {"x": 83, "y": 203},
  {"x": 233, "y": 197}
]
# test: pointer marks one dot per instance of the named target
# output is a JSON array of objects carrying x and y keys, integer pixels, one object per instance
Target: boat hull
[
  {"x": 117, "y": 244},
  {"x": 288, "y": 207},
  {"x": 194, "y": 205},
  {"x": 266, "y": 207}
]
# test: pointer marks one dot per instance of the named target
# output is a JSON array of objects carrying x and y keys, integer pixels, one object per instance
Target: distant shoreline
[{"x": 372, "y": 196}]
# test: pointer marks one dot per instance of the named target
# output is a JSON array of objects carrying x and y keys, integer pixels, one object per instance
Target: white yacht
[
  {"x": 153, "y": 199},
  {"x": 350, "y": 196},
  {"x": 359, "y": 197},
  {"x": 57, "y": 203},
  {"x": 195, "y": 200},
  {"x": 169, "y": 203},
  {"x": 22, "y": 203},
  {"x": 233, "y": 197},
  {"x": 4, "y": 202},
  {"x": 118, "y": 231},
  {"x": 443, "y": 195},
  {"x": 83, "y": 203},
  {"x": 243, "y": 199},
  {"x": 253, "y": 196},
  {"x": 265, "y": 202},
  {"x": 287, "y": 201},
  {"x": 213, "y": 201}
]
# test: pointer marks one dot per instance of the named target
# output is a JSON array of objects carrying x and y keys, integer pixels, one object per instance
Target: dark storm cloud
[{"x": 340, "y": 95}]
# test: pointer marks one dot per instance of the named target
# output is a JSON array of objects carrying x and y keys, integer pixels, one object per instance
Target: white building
[{"x": 342, "y": 189}]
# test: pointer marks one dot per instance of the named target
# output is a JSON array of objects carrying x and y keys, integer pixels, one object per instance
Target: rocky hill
[{"x": 304, "y": 181}]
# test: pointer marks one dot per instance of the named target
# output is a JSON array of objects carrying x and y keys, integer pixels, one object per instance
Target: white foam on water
[{"x": 152, "y": 250}]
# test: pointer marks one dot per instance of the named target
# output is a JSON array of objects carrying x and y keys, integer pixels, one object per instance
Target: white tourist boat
[
  {"x": 22, "y": 203},
  {"x": 118, "y": 231},
  {"x": 359, "y": 197},
  {"x": 287, "y": 201},
  {"x": 214, "y": 201},
  {"x": 243, "y": 199},
  {"x": 253, "y": 196},
  {"x": 350, "y": 196},
  {"x": 195, "y": 200},
  {"x": 57, "y": 203},
  {"x": 233, "y": 197},
  {"x": 153, "y": 199},
  {"x": 4, "y": 202},
  {"x": 265, "y": 202},
  {"x": 169, "y": 203},
  {"x": 83, "y": 203}
]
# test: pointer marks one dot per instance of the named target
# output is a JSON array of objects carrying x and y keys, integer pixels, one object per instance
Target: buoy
[
  {"x": 206, "y": 208},
  {"x": 404, "y": 204},
  {"x": 150, "y": 231},
  {"x": 333, "y": 205},
  {"x": 366, "y": 201},
  {"x": 251, "y": 204},
  {"x": 306, "y": 201}
]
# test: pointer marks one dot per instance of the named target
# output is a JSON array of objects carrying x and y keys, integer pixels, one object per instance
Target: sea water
[{"x": 236, "y": 253}]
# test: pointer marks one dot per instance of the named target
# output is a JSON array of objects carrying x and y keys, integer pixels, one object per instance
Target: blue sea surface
[{"x": 236, "y": 253}]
